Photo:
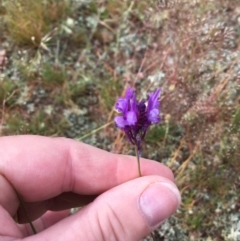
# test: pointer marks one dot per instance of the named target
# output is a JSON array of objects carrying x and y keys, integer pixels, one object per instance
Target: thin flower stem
[
  {"x": 152, "y": 235},
  {"x": 94, "y": 131},
  {"x": 25, "y": 211},
  {"x": 137, "y": 151},
  {"x": 138, "y": 160}
]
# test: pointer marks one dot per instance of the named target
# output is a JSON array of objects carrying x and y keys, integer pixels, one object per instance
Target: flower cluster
[{"x": 137, "y": 116}]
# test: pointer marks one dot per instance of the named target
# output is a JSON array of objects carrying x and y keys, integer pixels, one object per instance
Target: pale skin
[{"x": 54, "y": 174}]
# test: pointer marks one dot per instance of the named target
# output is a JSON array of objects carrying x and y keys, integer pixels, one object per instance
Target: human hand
[{"x": 55, "y": 174}]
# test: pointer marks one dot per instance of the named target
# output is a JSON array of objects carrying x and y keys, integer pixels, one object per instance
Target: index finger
[{"x": 42, "y": 167}]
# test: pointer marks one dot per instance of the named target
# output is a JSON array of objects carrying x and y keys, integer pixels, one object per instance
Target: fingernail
[{"x": 158, "y": 202}]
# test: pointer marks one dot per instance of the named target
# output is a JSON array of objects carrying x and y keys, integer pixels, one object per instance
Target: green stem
[
  {"x": 25, "y": 211},
  {"x": 94, "y": 131},
  {"x": 138, "y": 160}
]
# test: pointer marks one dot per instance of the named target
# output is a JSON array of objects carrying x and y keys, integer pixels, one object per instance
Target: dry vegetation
[{"x": 64, "y": 62}]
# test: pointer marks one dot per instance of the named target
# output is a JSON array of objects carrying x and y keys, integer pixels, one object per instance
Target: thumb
[{"x": 127, "y": 212}]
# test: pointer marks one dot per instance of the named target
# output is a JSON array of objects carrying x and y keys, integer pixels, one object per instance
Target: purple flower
[{"x": 137, "y": 116}]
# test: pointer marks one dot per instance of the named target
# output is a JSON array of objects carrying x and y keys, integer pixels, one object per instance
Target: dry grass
[{"x": 28, "y": 22}]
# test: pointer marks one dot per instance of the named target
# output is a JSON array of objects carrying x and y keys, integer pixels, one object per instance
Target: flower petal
[
  {"x": 137, "y": 116},
  {"x": 121, "y": 104},
  {"x": 131, "y": 118},
  {"x": 129, "y": 93},
  {"x": 153, "y": 101},
  {"x": 120, "y": 122},
  {"x": 153, "y": 116},
  {"x": 153, "y": 107}
]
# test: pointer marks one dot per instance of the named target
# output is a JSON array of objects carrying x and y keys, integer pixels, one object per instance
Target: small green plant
[
  {"x": 236, "y": 121},
  {"x": 52, "y": 76},
  {"x": 156, "y": 134},
  {"x": 39, "y": 123},
  {"x": 8, "y": 92},
  {"x": 28, "y": 22},
  {"x": 109, "y": 90},
  {"x": 15, "y": 123}
]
